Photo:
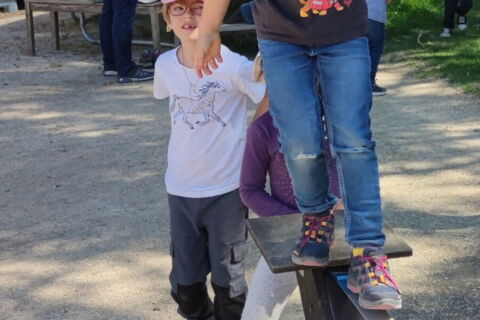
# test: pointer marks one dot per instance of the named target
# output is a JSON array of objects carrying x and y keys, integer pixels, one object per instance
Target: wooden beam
[
  {"x": 155, "y": 26},
  {"x": 54, "y": 30},
  {"x": 30, "y": 29}
]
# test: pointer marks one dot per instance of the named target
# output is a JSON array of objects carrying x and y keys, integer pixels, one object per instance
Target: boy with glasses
[{"x": 207, "y": 217}]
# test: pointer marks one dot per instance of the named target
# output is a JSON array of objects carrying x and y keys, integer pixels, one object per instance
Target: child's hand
[{"x": 207, "y": 52}]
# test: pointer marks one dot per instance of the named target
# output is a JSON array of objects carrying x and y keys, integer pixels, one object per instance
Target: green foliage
[
  {"x": 414, "y": 27},
  {"x": 407, "y": 16}
]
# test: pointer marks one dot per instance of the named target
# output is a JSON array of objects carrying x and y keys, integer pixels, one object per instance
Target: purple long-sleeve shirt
[{"x": 262, "y": 156}]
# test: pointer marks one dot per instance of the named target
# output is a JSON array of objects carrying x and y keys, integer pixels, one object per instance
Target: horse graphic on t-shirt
[{"x": 202, "y": 104}]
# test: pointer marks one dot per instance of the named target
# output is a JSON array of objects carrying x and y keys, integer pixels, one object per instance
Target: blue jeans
[
  {"x": 376, "y": 41},
  {"x": 293, "y": 74},
  {"x": 116, "y": 29},
  {"x": 246, "y": 10}
]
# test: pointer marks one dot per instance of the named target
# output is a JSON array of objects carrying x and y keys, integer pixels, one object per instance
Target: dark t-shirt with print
[{"x": 310, "y": 22}]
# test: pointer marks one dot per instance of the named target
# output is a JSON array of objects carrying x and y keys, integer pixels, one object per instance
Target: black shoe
[
  {"x": 377, "y": 90},
  {"x": 138, "y": 75},
  {"x": 148, "y": 58}
]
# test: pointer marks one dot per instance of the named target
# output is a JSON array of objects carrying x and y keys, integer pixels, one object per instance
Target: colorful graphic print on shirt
[
  {"x": 201, "y": 103},
  {"x": 321, "y": 7}
]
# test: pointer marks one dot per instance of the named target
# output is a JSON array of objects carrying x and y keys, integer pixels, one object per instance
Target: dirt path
[{"x": 83, "y": 220}]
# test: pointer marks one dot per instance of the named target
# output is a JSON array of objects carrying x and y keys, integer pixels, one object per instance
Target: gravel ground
[{"x": 83, "y": 213}]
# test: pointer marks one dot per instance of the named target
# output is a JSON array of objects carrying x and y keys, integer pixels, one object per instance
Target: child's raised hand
[{"x": 207, "y": 52}]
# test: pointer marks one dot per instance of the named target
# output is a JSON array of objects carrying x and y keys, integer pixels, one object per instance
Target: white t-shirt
[{"x": 209, "y": 121}]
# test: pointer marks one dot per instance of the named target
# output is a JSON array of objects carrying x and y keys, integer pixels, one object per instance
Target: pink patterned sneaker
[
  {"x": 316, "y": 238},
  {"x": 369, "y": 276}
]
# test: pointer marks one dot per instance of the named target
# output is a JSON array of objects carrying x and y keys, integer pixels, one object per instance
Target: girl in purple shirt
[{"x": 268, "y": 292}]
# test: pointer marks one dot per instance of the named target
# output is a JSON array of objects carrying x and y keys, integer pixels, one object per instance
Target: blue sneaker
[
  {"x": 369, "y": 276},
  {"x": 316, "y": 238}
]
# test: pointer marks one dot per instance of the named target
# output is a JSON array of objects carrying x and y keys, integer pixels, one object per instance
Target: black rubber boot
[
  {"x": 193, "y": 302},
  {"x": 226, "y": 308}
]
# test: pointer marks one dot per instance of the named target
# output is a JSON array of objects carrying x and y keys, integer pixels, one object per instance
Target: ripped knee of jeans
[{"x": 302, "y": 156}]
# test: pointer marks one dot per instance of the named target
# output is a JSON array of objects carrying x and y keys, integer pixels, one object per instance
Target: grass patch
[{"x": 413, "y": 29}]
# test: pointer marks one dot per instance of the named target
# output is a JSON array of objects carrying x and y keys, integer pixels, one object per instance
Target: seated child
[{"x": 208, "y": 126}]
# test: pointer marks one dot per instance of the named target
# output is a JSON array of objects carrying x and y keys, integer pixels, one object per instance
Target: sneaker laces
[
  {"x": 314, "y": 229},
  {"x": 377, "y": 271}
]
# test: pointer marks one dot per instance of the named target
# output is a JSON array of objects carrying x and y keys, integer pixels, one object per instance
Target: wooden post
[
  {"x": 30, "y": 28},
  {"x": 314, "y": 292},
  {"x": 54, "y": 30},
  {"x": 155, "y": 23}
]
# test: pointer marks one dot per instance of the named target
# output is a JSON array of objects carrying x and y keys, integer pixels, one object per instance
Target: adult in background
[
  {"x": 116, "y": 29},
  {"x": 452, "y": 7},
  {"x": 377, "y": 17}
]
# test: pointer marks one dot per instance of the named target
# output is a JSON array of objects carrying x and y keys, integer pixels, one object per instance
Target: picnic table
[
  {"x": 154, "y": 10},
  {"x": 83, "y": 6}
]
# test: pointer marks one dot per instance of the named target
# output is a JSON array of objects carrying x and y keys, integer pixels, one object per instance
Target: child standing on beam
[
  {"x": 268, "y": 292},
  {"x": 304, "y": 44}
]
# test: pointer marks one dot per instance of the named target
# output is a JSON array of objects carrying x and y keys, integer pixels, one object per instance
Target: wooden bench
[
  {"x": 154, "y": 10},
  {"x": 324, "y": 291}
]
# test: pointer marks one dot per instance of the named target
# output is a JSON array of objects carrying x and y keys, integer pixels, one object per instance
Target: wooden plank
[
  {"x": 69, "y": 2},
  {"x": 54, "y": 30},
  {"x": 88, "y": 2},
  {"x": 276, "y": 237},
  {"x": 95, "y": 8},
  {"x": 86, "y": 8},
  {"x": 30, "y": 29}
]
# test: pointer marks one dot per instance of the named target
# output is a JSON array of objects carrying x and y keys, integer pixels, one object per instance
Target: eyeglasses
[{"x": 178, "y": 9}]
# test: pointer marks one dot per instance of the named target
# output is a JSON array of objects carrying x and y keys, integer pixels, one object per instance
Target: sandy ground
[{"x": 83, "y": 214}]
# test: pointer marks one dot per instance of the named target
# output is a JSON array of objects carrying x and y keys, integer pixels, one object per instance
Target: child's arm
[
  {"x": 255, "y": 166},
  {"x": 207, "y": 48}
]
